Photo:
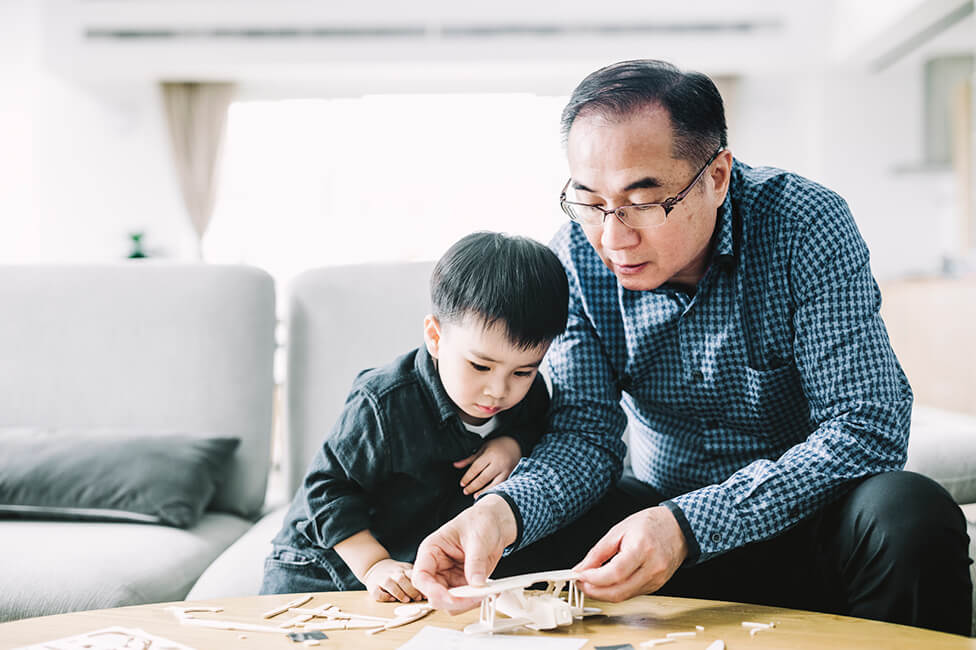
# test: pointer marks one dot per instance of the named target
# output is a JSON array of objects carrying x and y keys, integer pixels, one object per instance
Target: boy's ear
[{"x": 432, "y": 335}]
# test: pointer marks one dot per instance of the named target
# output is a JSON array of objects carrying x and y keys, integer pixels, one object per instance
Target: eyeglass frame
[{"x": 667, "y": 204}]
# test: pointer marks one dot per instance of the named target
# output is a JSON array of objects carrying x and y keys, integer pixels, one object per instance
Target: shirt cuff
[{"x": 694, "y": 550}]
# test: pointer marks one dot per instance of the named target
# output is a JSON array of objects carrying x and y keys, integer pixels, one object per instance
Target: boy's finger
[
  {"x": 500, "y": 478},
  {"x": 481, "y": 482},
  {"x": 476, "y": 468},
  {"x": 408, "y": 588},
  {"x": 464, "y": 462},
  {"x": 391, "y": 587}
]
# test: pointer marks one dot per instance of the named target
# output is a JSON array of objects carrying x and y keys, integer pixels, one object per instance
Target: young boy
[{"x": 420, "y": 438}]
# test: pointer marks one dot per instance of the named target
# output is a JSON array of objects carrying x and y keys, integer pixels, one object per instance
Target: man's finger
[{"x": 606, "y": 548}]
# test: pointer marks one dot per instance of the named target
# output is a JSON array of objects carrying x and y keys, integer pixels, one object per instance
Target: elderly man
[{"x": 726, "y": 316}]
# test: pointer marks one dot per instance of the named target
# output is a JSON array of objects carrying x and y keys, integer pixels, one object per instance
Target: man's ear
[
  {"x": 721, "y": 174},
  {"x": 432, "y": 335}
]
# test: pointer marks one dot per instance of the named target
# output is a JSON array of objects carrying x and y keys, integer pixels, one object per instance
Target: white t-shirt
[{"x": 482, "y": 429}]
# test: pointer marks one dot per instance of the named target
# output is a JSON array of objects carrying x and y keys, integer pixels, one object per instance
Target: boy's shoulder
[{"x": 380, "y": 381}]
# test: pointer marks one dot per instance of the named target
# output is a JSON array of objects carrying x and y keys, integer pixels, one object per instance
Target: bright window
[{"x": 315, "y": 182}]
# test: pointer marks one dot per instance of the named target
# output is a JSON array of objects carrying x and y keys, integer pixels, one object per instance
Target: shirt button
[
  {"x": 716, "y": 538},
  {"x": 697, "y": 376}
]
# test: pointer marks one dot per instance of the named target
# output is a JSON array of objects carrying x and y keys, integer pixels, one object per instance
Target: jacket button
[{"x": 716, "y": 538}]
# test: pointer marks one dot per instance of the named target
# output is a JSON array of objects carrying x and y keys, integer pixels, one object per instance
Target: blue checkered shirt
[{"x": 751, "y": 403}]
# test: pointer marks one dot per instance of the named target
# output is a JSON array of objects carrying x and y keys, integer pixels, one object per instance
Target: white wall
[
  {"x": 86, "y": 159},
  {"x": 19, "y": 230},
  {"x": 103, "y": 171},
  {"x": 81, "y": 166}
]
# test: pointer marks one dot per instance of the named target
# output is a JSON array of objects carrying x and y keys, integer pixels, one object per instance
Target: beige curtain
[{"x": 197, "y": 118}]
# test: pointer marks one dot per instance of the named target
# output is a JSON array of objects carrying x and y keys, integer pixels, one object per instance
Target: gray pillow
[{"x": 161, "y": 479}]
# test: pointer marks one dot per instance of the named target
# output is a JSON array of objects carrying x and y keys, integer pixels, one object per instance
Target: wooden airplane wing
[{"x": 514, "y": 582}]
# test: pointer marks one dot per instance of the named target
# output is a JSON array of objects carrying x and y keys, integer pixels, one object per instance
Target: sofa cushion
[
  {"x": 155, "y": 346},
  {"x": 51, "y": 567},
  {"x": 161, "y": 479},
  {"x": 239, "y": 570},
  {"x": 942, "y": 446}
]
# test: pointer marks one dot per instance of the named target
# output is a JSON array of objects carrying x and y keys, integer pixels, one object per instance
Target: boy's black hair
[{"x": 499, "y": 278}]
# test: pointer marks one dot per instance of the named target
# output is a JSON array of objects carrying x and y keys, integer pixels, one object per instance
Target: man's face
[
  {"x": 482, "y": 371},
  {"x": 628, "y": 160}
]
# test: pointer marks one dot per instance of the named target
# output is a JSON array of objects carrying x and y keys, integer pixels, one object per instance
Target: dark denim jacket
[{"x": 386, "y": 466}]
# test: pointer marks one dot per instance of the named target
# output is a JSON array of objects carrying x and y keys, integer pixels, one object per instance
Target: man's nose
[{"x": 616, "y": 235}]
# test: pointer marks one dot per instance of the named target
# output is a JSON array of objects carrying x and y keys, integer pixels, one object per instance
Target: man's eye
[
  {"x": 644, "y": 207},
  {"x": 479, "y": 367}
]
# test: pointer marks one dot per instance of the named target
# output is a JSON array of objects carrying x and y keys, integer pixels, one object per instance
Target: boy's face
[{"x": 481, "y": 370}]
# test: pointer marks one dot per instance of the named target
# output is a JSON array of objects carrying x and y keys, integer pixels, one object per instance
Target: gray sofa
[
  {"x": 137, "y": 350},
  {"x": 148, "y": 348}
]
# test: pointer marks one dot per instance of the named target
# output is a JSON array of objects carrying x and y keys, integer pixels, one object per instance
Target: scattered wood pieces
[
  {"x": 716, "y": 645},
  {"x": 681, "y": 635},
  {"x": 411, "y": 614},
  {"x": 298, "y": 602},
  {"x": 655, "y": 642}
]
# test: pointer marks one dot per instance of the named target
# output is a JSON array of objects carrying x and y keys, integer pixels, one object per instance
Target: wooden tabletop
[{"x": 634, "y": 621}]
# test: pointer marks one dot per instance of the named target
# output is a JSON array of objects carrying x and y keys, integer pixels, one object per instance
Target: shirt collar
[
  {"x": 427, "y": 372},
  {"x": 724, "y": 252}
]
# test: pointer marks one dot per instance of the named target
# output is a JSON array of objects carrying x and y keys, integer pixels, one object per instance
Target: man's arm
[
  {"x": 582, "y": 453},
  {"x": 857, "y": 393}
]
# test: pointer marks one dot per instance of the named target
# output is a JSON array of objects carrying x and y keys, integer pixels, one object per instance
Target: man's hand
[
  {"x": 463, "y": 551},
  {"x": 637, "y": 556},
  {"x": 389, "y": 580},
  {"x": 490, "y": 465}
]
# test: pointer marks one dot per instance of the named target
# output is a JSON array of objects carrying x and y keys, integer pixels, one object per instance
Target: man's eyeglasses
[{"x": 635, "y": 215}]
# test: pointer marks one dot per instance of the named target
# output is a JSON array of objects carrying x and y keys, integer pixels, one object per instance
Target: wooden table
[{"x": 634, "y": 621}]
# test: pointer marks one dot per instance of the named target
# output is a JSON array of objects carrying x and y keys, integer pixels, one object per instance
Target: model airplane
[{"x": 543, "y": 611}]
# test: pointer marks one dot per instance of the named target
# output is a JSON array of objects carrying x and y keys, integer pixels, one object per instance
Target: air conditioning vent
[{"x": 445, "y": 32}]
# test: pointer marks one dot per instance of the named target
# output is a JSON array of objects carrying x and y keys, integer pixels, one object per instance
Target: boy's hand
[
  {"x": 389, "y": 580},
  {"x": 491, "y": 465}
]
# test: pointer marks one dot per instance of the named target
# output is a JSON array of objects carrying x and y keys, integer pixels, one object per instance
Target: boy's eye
[
  {"x": 479, "y": 367},
  {"x": 523, "y": 373}
]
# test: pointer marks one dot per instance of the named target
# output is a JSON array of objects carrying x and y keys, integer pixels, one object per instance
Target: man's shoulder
[
  {"x": 778, "y": 194},
  {"x": 583, "y": 266}
]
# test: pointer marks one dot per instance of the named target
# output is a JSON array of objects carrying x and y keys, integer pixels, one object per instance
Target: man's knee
[{"x": 909, "y": 511}]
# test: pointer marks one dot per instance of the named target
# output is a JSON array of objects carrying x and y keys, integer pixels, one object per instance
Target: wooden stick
[
  {"x": 231, "y": 625},
  {"x": 338, "y": 614},
  {"x": 298, "y": 602},
  {"x": 403, "y": 620},
  {"x": 344, "y": 624}
]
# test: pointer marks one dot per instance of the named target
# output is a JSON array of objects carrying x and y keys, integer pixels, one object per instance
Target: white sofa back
[
  {"x": 144, "y": 347},
  {"x": 342, "y": 320}
]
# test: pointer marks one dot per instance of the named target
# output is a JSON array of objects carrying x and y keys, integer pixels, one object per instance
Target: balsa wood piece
[{"x": 298, "y": 602}]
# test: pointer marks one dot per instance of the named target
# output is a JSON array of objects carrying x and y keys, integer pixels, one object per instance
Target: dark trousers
[{"x": 894, "y": 548}]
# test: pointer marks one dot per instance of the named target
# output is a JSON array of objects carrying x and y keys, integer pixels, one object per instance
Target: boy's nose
[{"x": 495, "y": 389}]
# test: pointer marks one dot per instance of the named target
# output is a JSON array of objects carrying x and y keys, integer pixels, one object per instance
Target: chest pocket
[{"x": 770, "y": 403}]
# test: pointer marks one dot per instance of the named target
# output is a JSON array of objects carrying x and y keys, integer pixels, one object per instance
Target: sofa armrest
[
  {"x": 942, "y": 446},
  {"x": 239, "y": 569}
]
